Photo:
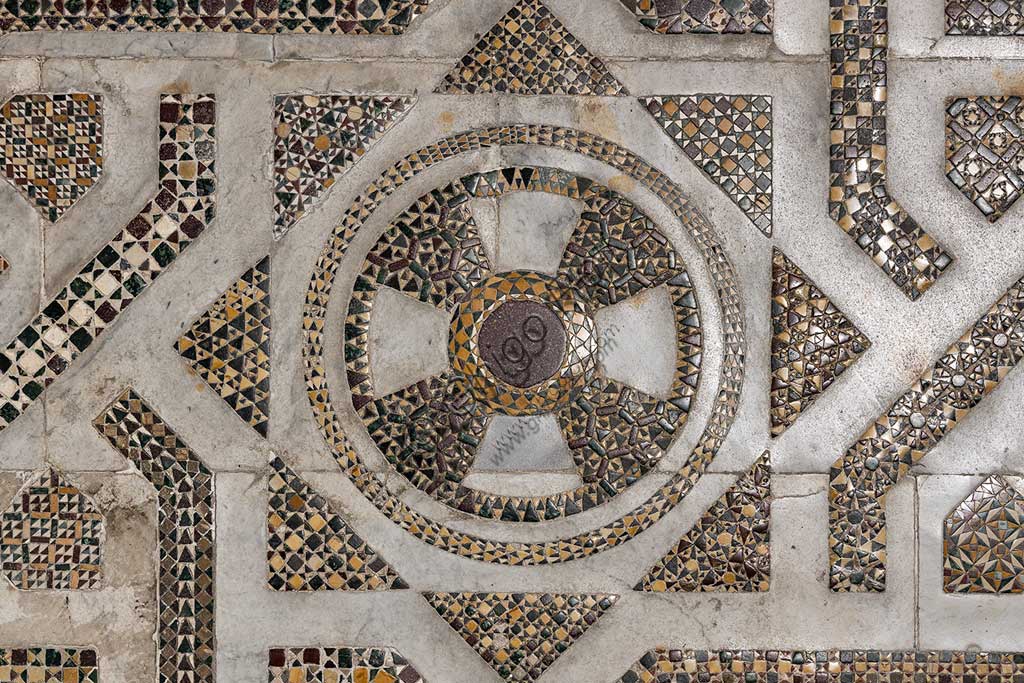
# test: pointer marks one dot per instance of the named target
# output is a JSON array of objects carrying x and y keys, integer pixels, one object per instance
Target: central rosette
[{"x": 523, "y": 343}]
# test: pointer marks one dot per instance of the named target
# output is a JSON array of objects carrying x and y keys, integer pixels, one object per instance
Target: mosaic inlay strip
[
  {"x": 530, "y": 52},
  {"x": 92, "y": 301},
  {"x": 729, "y": 549},
  {"x": 983, "y": 542},
  {"x": 51, "y": 537},
  {"x": 340, "y": 665},
  {"x": 984, "y": 18},
  {"x": 317, "y": 138},
  {"x": 430, "y": 431},
  {"x": 813, "y": 342},
  {"x": 51, "y": 148},
  {"x": 312, "y": 548},
  {"x": 587, "y": 543},
  {"x": 704, "y": 16},
  {"x": 520, "y": 635},
  {"x": 48, "y": 665},
  {"x": 859, "y": 199},
  {"x": 860, "y": 480},
  {"x": 386, "y": 17},
  {"x": 729, "y": 137},
  {"x": 186, "y": 642},
  {"x": 4, "y": 264},
  {"x": 984, "y": 151},
  {"x": 826, "y": 666},
  {"x": 228, "y": 347}
]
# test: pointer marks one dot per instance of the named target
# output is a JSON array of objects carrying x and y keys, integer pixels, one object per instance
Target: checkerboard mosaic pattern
[
  {"x": 984, "y": 18},
  {"x": 317, "y": 138},
  {"x": 312, "y": 548},
  {"x": 48, "y": 665},
  {"x": 51, "y": 148},
  {"x": 108, "y": 283},
  {"x": 340, "y": 665},
  {"x": 729, "y": 137},
  {"x": 520, "y": 635},
  {"x": 983, "y": 541},
  {"x": 52, "y": 537},
  {"x": 704, "y": 16},
  {"x": 228, "y": 347},
  {"x": 530, "y": 52}
]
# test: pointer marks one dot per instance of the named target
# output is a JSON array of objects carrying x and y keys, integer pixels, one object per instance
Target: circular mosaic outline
[{"x": 516, "y": 552}]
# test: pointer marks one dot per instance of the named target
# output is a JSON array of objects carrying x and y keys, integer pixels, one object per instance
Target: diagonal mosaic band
[
  {"x": 48, "y": 665},
  {"x": 859, "y": 198},
  {"x": 943, "y": 396},
  {"x": 186, "y": 640},
  {"x": 109, "y": 282}
]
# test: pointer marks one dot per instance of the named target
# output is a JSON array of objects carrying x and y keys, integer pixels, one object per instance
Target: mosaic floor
[{"x": 484, "y": 341}]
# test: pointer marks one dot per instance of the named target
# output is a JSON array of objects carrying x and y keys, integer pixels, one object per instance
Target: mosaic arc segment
[
  {"x": 520, "y": 635},
  {"x": 340, "y": 665},
  {"x": 48, "y": 665},
  {"x": 360, "y": 17},
  {"x": 107, "y": 284},
  {"x": 312, "y": 548},
  {"x": 825, "y": 666},
  {"x": 704, "y": 16},
  {"x": 983, "y": 541},
  {"x": 942, "y": 397},
  {"x": 51, "y": 148},
  {"x": 729, "y": 549},
  {"x": 52, "y": 537},
  {"x": 5, "y": 265},
  {"x": 859, "y": 198},
  {"x": 530, "y": 52},
  {"x": 514, "y": 552},
  {"x": 186, "y": 640}
]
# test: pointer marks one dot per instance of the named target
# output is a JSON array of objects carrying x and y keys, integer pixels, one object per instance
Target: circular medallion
[{"x": 522, "y": 342}]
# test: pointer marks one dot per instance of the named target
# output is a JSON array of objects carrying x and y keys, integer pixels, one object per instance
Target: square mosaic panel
[
  {"x": 983, "y": 541},
  {"x": 984, "y": 18},
  {"x": 48, "y": 665},
  {"x": 340, "y": 665},
  {"x": 704, "y": 16}
]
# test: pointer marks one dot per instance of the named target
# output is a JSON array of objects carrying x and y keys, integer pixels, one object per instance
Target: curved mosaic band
[
  {"x": 590, "y": 542},
  {"x": 943, "y": 396},
  {"x": 859, "y": 198}
]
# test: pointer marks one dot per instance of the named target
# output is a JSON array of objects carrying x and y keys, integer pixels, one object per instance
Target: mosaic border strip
[
  {"x": 52, "y": 536},
  {"x": 530, "y": 52},
  {"x": 591, "y": 542},
  {"x": 51, "y": 148},
  {"x": 186, "y": 635},
  {"x": 983, "y": 541},
  {"x": 984, "y": 18},
  {"x": 859, "y": 198},
  {"x": 826, "y": 666},
  {"x": 355, "y": 17},
  {"x": 49, "y": 664},
  {"x": 340, "y": 665},
  {"x": 707, "y": 16},
  {"x": 5, "y": 265},
  {"x": 93, "y": 300},
  {"x": 971, "y": 368}
]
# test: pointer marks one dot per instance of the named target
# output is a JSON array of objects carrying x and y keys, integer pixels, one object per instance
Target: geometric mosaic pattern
[
  {"x": 110, "y": 281},
  {"x": 186, "y": 642},
  {"x": 704, "y": 16},
  {"x": 317, "y": 138},
  {"x": 943, "y": 396},
  {"x": 530, "y": 52},
  {"x": 983, "y": 542},
  {"x": 985, "y": 151},
  {"x": 310, "y": 548},
  {"x": 51, "y": 148},
  {"x": 859, "y": 199},
  {"x": 48, "y": 665},
  {"x": 51, "y": 537},
  {"x": 375, "y": 486},
  {"x": 340, "y": 665},
  {"x": 729, "y": 137},
  {"x": 385, "y": 17},
  {"x": 813, "y": 342},
  {"x": 984, "y": 18},
  {"x": 729, "y": 549},
  {"x": 520, "y": 635},
  {"x": 831, "y": 666},
  {"x": 229, "y": 347}
]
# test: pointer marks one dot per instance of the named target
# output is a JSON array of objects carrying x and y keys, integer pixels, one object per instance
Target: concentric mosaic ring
[
  {"x": 430, "y": 431},
  {"x": 514, "y": 552}
]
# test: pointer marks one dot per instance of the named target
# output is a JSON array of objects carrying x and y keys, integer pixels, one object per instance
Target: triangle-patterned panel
[
  {"x": 530, "y": 52},
  {"x": 983, "y": 542},
  {"x": 311, "y": 548},
  {"x": 229, "y": 347},
  {"x": 813, "y": 342},
  {"x": 729, "y": 549}
]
